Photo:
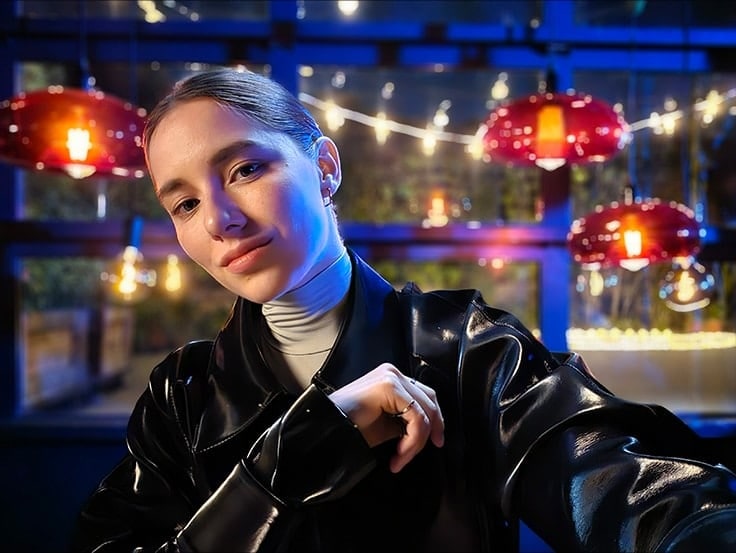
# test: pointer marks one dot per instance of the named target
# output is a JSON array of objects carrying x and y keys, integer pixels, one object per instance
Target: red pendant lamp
[
  {"x": 77, "y": 131},
  {"x": 551, "y": 129},
  {"x": 634, "y": 233}
]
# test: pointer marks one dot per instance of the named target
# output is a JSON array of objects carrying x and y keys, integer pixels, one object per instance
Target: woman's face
[{"x": 246, "y": 201}]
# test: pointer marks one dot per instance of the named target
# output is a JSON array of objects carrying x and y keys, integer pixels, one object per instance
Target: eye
[
  {"x": 184, "y": 207},
  {"x": 248, "y": 170}
]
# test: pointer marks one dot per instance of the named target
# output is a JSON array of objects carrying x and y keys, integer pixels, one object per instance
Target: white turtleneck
[{"x": 304, "y": 324}]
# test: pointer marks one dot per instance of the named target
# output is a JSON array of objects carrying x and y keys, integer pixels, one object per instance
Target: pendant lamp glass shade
[
  {"x": 80, "y": 132},
  {"x": 550, "y": 130},
  {"x": 687, "y": 286},
  {"x": 634, "y": 233}
]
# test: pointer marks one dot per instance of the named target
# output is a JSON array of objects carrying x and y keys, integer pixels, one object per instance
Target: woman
[{"x": 332, "y": 412}]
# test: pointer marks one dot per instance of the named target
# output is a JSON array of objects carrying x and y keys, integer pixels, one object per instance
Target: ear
[{"x": 328, "y": 161}]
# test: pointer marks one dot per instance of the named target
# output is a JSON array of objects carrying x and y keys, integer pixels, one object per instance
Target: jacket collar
[{"x": 240, "y": 385}]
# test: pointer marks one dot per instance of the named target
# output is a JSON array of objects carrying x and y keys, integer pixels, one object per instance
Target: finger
[
  {"x": 417, "y": 432},
  {"x": 427, "y": 397}
]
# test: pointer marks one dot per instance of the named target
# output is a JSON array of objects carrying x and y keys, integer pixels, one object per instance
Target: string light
[
  {"x": 659, "y": 123},
  {"x": 348, "y": 7},
  {"x": 382, "y": 130}
]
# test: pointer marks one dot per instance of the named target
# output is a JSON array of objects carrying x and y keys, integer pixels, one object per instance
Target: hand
[{"x": 377, "y": 404}]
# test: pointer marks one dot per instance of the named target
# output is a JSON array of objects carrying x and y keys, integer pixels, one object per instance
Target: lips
[{"x": 241, "y": 257}]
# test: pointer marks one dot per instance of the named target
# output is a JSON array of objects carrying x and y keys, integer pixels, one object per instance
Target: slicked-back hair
[{"x": 247, "y": 93}]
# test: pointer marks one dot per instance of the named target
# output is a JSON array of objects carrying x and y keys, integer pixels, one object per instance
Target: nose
[{"x": 223, "y": 218}]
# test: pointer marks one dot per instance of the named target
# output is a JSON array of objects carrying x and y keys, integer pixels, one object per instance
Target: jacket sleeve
[
  {"x": 584, "y": 469},
  {"x": 151, "y": 501},
  {"x": 292, "y": 465}
]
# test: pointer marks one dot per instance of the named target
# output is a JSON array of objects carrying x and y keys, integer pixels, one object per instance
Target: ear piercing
[{"x": 328, "y": 191}]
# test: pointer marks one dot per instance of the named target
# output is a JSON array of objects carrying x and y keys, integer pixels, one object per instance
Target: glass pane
[
  {"x": 508, "y": 12},
  {"x": 54, "y": 195},
  {"x": 151, "y": 12},
  {"x": 80, "y": 336},
  {"x": 689, "y": 13},
  {"x": 511, "y": 286},
  {"x": 424, "y": 165},
  {"x": 682, "y": 145},
  {"x": 665, "y": 353}
]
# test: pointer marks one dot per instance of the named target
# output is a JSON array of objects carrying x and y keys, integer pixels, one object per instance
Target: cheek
[{"x": 190, "y": 242}]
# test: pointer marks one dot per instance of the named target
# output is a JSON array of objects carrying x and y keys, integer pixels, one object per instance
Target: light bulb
[
  {"x": 632, "y": 243},
  {"x": 78, "y": 144},
  {"x": 128, "y": 280},
  {"x": 437, "y": 214},
  {"x": 687, "y": 286},
  {"x": 172, "y": 282},
  {"x": 382, "y": 130}
]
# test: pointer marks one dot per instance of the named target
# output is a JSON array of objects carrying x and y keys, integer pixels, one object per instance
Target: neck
[{"x": 300, "y": 320}]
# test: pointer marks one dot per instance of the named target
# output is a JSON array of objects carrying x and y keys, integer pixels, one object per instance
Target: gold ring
[{"x": 405, "y": 410}]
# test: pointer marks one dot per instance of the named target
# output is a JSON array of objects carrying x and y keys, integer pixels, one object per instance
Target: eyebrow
[{"x": 218, "y": 158}]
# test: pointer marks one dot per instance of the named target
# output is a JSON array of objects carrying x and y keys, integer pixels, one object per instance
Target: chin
[{"x": 258, "y": 292}]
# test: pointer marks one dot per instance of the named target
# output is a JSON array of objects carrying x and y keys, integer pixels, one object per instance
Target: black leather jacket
[{"x": 223, "y": 459}]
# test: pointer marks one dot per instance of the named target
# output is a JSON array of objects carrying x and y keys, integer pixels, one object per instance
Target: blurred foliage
[
  {"x": 56, "y": 196},
  {"x": 60, "y": 283},
  {"x": 163, "y": 320},
  {"x": 396, "y": 182},
  {"x": 512, "y": 287}
]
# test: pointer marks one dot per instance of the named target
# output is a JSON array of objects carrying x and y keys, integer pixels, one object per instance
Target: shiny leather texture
[{"x": 223, "y": 458}]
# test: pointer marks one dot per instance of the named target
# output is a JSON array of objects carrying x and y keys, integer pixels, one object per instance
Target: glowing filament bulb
[
  {"x": 78, "y": 144},
  {"x": 348, "y": 7},
  {"x": 172, "y": 283},
  {"x": 334, "y": 116},
  {"x": 129, "y": 272},
  {"x": 632, "y": 243},
  {"x": 596, "y": 283},
  {"x": 429, "y": 143},
  {"x": 550, "y": 132},
  {"x": 382, "y": 130},
  {"x": 437, "y": 214},
  {"x": 686, "y": 287}
]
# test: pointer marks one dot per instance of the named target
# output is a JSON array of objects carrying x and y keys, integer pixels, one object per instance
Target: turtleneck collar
[{"x": 300, "y": 320}]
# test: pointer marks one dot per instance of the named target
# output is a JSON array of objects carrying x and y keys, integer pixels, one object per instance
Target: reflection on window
[
  {"x": 508, "y": 286},
  {"x": 705, "y": 13},
  {"x": 424, "y": 169},
  {"x": 54, "y": 196},
  {"x": 506, "y": 12},
  {"x": 681, "y": 359},
  {"x": 150, "y": 12},
  {"x": 48, "y": 195},
  {"x": 79, "y": 336},
  {"x": 682, "y": 148}
]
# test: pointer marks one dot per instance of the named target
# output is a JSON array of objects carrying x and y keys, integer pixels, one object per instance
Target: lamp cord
[{"x": 88, "y": 81}]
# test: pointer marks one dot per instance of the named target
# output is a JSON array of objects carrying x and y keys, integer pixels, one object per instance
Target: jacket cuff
[
  {"x": 312, "y": 454},
  {"x": 239, "y": 516},
  {"x": 704, "y": 531}
]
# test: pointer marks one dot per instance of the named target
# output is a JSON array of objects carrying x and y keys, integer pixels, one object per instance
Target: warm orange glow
[
  {"x": 633, "y": 243},
  {"x": 551, "y": 132},
  {"x": 172, "y": 283},
  {"x": 437, "y": 213},
  {"x": 80, "y": 132},
  {"x": 78, "y": 144},
  {"x": 634, "y": 233},
  {"x": 127, "y": 284},
  {"x": 686, "y": 287}
]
